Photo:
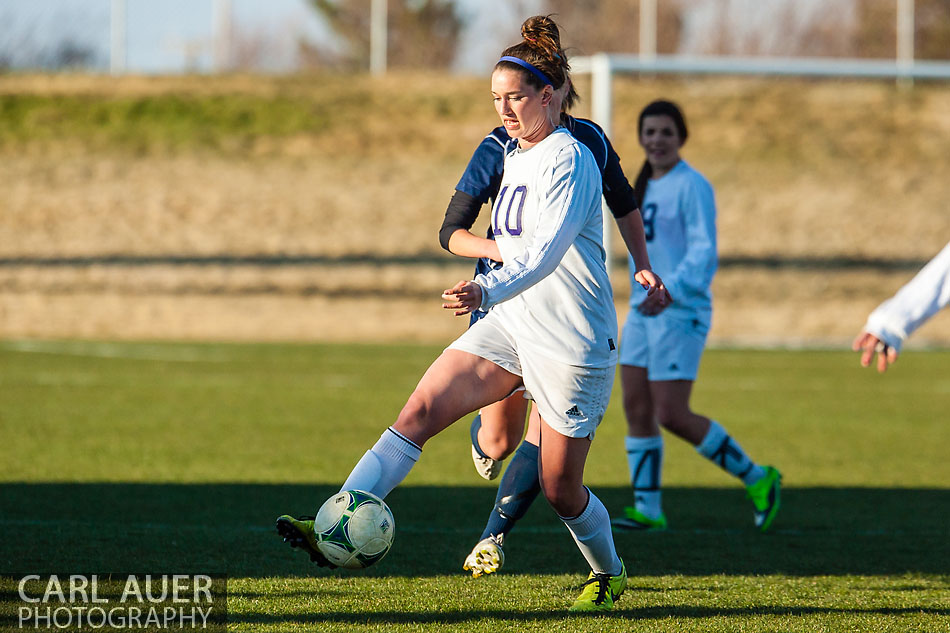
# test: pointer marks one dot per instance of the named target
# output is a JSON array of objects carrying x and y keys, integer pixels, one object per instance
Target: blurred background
[{"x": 242, "y": 170}]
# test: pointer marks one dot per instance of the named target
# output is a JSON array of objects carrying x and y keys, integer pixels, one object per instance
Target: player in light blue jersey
[{"x": 660, "y": 353}]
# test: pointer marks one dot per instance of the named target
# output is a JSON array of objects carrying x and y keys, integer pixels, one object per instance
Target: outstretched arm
[{"x": 898, "y": 317}]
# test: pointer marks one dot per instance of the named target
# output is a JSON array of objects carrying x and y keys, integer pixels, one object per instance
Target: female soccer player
[
  {"x": 550, "y": 327},
  {"x": 499, "y": 427},
  {"x": 660, "y": 353}
]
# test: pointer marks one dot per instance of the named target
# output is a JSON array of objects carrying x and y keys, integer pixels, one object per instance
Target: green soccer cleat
[
  {"x": 487, "y": 557},
  {"x": 766, "y": 497},
  {"x": 299, "y": 533},
  {"x": 601, "y": 591},
  {"x": 634, "y": 520}
]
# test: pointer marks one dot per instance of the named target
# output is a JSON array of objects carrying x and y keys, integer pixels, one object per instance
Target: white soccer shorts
[
  {"x": 571, "y": 399},
  {"x": 668, "y": 345}
]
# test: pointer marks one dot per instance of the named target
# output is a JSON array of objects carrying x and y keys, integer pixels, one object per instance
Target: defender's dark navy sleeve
[
  {"x": 461, "y": 214},
  {"x": 482, "y": 177},
  {"x": 617, "y": 190}
]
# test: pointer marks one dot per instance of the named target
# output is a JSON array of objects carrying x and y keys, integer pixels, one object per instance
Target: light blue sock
[
  {"x": 721, "y": 449},
  {"x": 645, "y": 458}
]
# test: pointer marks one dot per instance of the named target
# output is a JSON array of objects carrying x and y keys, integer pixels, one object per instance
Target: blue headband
[{"x": 537, "y": 73}]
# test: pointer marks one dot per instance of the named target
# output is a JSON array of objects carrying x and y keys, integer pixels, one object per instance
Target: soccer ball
[{"x": 354, "y": 529}]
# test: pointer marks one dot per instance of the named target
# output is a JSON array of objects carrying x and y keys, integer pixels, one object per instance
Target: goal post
[{"x": 603, "y": 66}]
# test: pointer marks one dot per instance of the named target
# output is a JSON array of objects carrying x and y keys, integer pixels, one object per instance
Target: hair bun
[{"x": 542, "y": 32}]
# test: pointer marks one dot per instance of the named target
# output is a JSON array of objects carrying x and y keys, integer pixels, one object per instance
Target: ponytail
[{"x": 640, "y": 185}]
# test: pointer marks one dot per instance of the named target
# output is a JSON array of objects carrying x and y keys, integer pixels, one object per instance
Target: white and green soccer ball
[{"x": 354, "y": 529}]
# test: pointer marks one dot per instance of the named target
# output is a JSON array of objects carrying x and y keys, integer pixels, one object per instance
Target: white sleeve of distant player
[
  {"x": 559, "y": 224},
  {"x": 695, "y": 271},
  {"x": 921, "y": 298}
]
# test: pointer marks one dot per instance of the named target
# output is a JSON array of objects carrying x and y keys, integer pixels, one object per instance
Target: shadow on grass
[
  {"x": 228, "y": 528},
  {"x": 619, "y": 613}
]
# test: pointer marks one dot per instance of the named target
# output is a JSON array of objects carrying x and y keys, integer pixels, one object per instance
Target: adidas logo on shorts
[{"x": 574, "y": 411}]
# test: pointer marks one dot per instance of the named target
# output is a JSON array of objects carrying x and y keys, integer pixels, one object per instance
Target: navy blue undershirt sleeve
[{"x": 461, "y": 214}]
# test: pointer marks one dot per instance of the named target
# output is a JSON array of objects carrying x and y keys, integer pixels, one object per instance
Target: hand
[
  {"x": 886, "y": 355},
  {"x": 658, "y": 297},
  {"x": 464, "y": 297}
]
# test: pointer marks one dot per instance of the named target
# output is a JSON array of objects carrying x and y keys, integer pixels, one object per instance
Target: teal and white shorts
[{"x": 668, "y": 345}]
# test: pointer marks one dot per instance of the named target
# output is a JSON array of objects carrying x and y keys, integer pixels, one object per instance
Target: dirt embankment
[{"x": 804, "y": 172}]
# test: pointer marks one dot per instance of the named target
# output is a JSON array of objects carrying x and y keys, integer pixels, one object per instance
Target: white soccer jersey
[
  {"x": 553, "y": 293},
  {"x": 921, "y": 298},
  {"x": 679, "y": 222}
]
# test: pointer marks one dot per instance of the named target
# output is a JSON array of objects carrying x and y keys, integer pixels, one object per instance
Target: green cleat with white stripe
[
  {"x": 634, "y": 520},
  {"x": 766, "y": 497}
]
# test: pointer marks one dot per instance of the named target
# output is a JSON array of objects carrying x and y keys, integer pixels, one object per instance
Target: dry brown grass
[{"x": 802, "y": 169}]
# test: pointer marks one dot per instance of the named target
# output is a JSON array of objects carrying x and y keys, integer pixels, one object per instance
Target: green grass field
[{"x": 178, "y": 458}]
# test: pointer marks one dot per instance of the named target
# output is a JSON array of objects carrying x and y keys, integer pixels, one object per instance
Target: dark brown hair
[
  {"x": 657, "y": 108},
  {"x": 541, "y": 47}
]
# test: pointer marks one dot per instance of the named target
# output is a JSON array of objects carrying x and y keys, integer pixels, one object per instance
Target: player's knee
[
  {"x": 498, "y": 445},
  {"x": 565, "y": 495},
  {"x": 671, "y": 416},
  {"x": 639, "y": 414},
  {"x": 417, "y": 417}
]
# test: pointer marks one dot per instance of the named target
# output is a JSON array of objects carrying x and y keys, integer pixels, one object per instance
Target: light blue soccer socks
[
  {"x": 645, "y": 458},
  {"x": 385, "y": 465},
  {"x": 721, "y": 449}
]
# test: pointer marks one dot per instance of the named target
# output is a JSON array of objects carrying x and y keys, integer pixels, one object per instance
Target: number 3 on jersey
[
  {"x": 506, "y": 216},
  {"x": 649, "y": 221}
]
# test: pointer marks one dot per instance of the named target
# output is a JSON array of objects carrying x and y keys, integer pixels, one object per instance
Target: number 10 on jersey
[{"x": 511, "y": 207}]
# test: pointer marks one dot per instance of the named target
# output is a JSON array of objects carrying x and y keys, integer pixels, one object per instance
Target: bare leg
[
  {"x": 456, "y": 384},
  {"x": 502, "y": 426},
  {"x": 533, "y": 436},
  {"x": 712, "y": 441},
  {"x": 671, "y": 408},
  {"x": 638, "y": 402},
  {"x": 562, "y": 475},
  {"x": 562, "y": 471}
]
